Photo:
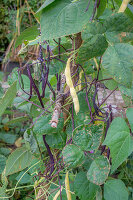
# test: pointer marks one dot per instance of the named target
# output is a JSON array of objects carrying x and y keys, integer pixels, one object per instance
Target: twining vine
[{"x": 84, "y": 137}]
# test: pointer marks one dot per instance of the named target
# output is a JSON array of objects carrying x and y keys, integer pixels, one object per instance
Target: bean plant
[{"x": 74, "y": 146}]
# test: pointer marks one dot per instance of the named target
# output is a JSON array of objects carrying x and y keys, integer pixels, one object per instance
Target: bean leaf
[
  {"x": 8, "y": 97},
  {"x": 65, "y": 18},
  {"x": 118, "y": 62},
  {"x": 83, "y": 188},
  {"x": 99, "y": 170},
  {"x": 73, "y": 156},
  {"x": 18, "y": 160},
  {"x": 116, "y": 190},
  {"x": 118, "y": 140}
]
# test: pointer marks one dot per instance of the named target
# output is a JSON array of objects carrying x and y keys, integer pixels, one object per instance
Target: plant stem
[{"x": 107, "y": 97}]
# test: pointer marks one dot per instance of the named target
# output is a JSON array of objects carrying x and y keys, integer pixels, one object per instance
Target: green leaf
[
  {"x": 36, "y": 163},
  {"x": 91, "y": 29},
  {"x": 57, "y": 140},
  {"x": 79, "y": 119},
  {"x": 99, "y": 195},
  {"x": 116, "y": 190},
  {"x": 118, "y": 140},
  {"x": 131, "y": 147},
  {"x": 83, "y": 115},
  {"x": 127, "y": 11},
  {"x": 73, "y": 156},
  {"x": 93, "y": 47},
  {"x": 18, "y": 119},
  {"x": 44, "y": 5},
  {"x": 67, "y": 45},
  {"x": 129, "y": 167},
  {"x": 34, "y": 110},
  {"x": 65, "y": 18},
  {"x": 27, "y": 35},
  {"x": 18, "y": 160},
  {"x": 126, "y": 91},
  {"x": 2, "y": 163},
  {"x": 30, "y": 140},
  {"x": 118, "y": 62},
  {"x": 90, "y": 156},
  {"x": 110, "y": 84},
  {"x": 101, "y": 7},
  {"x": 8, "y": 138},
  {"x": 43, "y": 126},
  {"x": 127, "y": 100},
  {"x": 99, "y": 170},
  {"x": 8, "y": 97},
  {"x": 3, "y": 194},
  {"x": 118, "y": 28},
  {"x": 107, "y": 12},
  {"x": 5, "y": 151},
  {"x": 5, "y": 120},
  {"x": 14, "y": 77},
  {"x": 88, "y": 138},
  {"x": 83, "y": 104},
  {"x": 55, "y": 67},
  {"x": 1, "y": 91},
  {"x": 89, "y": 67},
  {"x": 119, "y": 37},
  {"x": 26, "y": 178},
  {"x": 83, "y": 188},
  {"x": 130, "y": 189},
  {"x": 129, "y": 114}
]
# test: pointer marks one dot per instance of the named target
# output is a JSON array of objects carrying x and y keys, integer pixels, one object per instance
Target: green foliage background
[{"x": 95, "y": 149}]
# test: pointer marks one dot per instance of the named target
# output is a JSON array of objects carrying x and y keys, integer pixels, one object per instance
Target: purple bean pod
[
  {"x": 98, "y": 3},
  {"x": 58, "y": 59},
  {"x": 58, "y": 83},
  {"x": 30, "y": 90},
  {"x": 50, "y": 155},
  {"x": 108, "y": 153},
  {"x": 87, "y": 6},
  {"x": 44, "y": 83},
  {"x": 94, "y": 10},
  {"x": 107, "y": 127},
  {"x": 50, "y": 87},
  {"x": 34, "y": 86}
]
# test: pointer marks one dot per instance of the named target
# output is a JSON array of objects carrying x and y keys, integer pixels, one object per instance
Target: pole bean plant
[{"x": 75, "y": 147}]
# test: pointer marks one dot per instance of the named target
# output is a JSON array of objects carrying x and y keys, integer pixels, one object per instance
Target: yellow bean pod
[
  {"x": 123, "y": 6},
  {"x": 70, "y": 84},
  {"x": 67, "y": 186},
  {"x": 57, "y": 194}
]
